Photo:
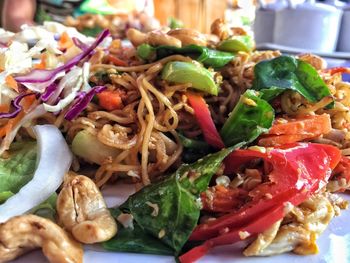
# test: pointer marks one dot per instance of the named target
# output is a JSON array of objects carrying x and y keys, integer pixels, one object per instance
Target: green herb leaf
[
  {"x": 209, "y": 57},
  {"x": 251, "y": 117},
  {"x": 176, "y": 199},
  {"x": 274, "y": 76},
  {"x": 18, "y": 168}
]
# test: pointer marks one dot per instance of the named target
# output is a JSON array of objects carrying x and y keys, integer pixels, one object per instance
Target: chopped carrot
[
  {"x": 65, "y": 41},
  {"x": 310, "y": 124},
  {"x": 11, "y": 82},
  {"x": 42, "y": 64},
  {"x": 286, "y": 131},
  {"x": 276, "y": 140},
  {"x": 110, "y": 100},
  {"x": 4, "y": 107},
  {"x": 26, "y": 103},
  {"x": 116, "y": 61}
]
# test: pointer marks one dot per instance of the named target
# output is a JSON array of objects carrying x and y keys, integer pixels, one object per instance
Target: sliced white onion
[{"x": 54, "y": 160}]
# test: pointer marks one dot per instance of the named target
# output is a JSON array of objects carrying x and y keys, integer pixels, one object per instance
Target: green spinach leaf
[
  {"x": 209, "y": 57},
  {"x": 135, "y": 240},
  {"x": 274, "y": 76},
  {"x": 169, "y": 210},
  {"x": 251, "y": 117}
]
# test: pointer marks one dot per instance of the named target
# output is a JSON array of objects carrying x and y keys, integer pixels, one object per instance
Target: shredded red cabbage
[
  {"x": 82, "y": 102},
  {"x": 42, "y": 75},
  {"x": 49, "y": 91},
  {"x": 15, "y": 103},
  {"x": 79, "y": 43}
]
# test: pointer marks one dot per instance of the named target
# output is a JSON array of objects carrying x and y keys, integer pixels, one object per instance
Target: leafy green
[
  {"x": 237, "y": 43},
  {"x": 176, "y": 199},
  {"x": 91, "y": 32},
  {"x": 46, "y": 209},
  {"x": 187, "y": 72},
  {"x": 16, "y": 170},
  {"x": 4, "y": 196},
  {"x": 193, "y": 144},
  {"x": 18, "y": 167},
  {"x": 274, "y": 76},
  {"x": 175, "y": 23},
  {"x": 250, "y": 117},
  {"x": 209, "y": 57},
  {"x": 135, "y": 240}
]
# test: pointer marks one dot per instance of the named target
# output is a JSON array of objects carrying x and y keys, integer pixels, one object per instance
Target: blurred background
[{"x": 289, "y": 25}]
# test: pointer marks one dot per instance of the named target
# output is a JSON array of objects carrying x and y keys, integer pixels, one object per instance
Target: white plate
[
  {"x": 334, "y": 244},
  {"x": 293, "y": 50}
]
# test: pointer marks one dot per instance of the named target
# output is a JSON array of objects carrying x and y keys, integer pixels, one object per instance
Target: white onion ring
[{"x": 54, "y": 160}]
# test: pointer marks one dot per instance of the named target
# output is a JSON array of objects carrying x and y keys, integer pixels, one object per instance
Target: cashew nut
[
  {"x": 188, "y": 36},
  {"x": 82, "y": 210},
  {"x": 158, "y": 38},
  {"x": 154, "y": 38},
  {"x": 136, "y": 37},
  {"x": 24, "y": 233},
  {"x": 220, "y": 28}
]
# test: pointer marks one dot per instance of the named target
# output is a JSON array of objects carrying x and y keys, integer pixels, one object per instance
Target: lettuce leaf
[{"x": 17, "y": 167}]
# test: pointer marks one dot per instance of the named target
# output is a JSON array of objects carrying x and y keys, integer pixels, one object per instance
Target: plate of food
[{"x": 183, "y": 146}]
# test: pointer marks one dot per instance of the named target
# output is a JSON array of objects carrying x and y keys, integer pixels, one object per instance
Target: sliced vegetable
[
  {"x": 4, "y": 196},
  {"x": 82, "y": 102},
  {"x": 88, "y": 147},
  {"x": 209, "y": 57},
  {"x": 54, "y": 161},
  {"x": 110, "y": 100},
  {"x": 116, "y": 61},
  {"x": 298, "y": 172},
  {"x": 185, "y": 72},
  {"x": 274, "y": 76},
  {"x": 168, "y": 210},
  {"x": 251, "y": 117},
  {"x": 175, "y": 23},
  {"x": 337, "y": 70},
  {"x": 237, "y": 43},
  {"x": 286, "y": 131},
  {"x": 38, "y": 79},
  {"x": 193, "y": 144},
  {"x": 203, "y": 116},
  {"x": 18, "y": 167},
  {"x": 65, "y": 41},
  {"x": 79, "y": 43},
  {"x": 135, "y": 240},
  {"x": 15, "y": 103}
]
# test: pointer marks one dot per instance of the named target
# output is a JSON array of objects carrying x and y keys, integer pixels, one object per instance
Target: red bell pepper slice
[
  {"x": 299, "y": 170},
  {"x": 336, "y": 70},
  {"x": 205, "y": 121}
]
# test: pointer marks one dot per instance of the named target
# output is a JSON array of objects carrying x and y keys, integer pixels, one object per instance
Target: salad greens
[
  {"x": 274, "y": 76},
  {"x": 251, "y": 117},
  {"x": 176, "y": 200},
  {"x": 209, "y": 57},
  {"x": 16, "y": 170},
  {"x": 186, "y": 72},
  {"x": 135, "y": 240}
]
